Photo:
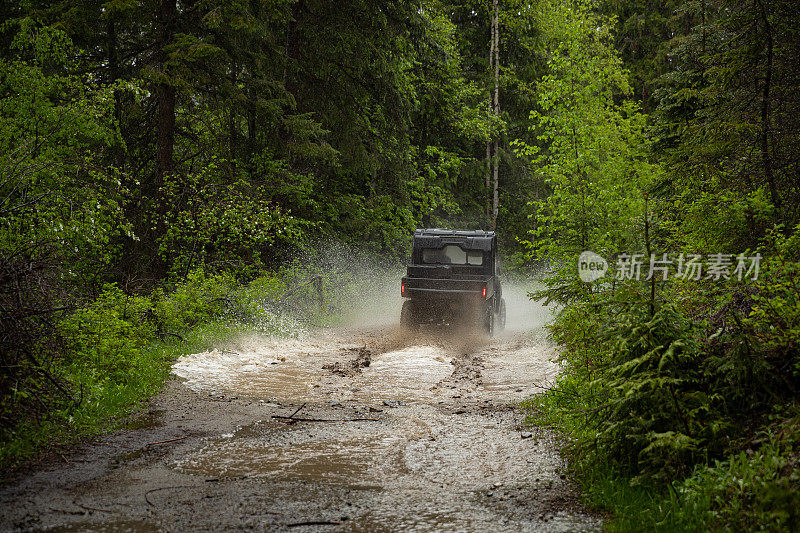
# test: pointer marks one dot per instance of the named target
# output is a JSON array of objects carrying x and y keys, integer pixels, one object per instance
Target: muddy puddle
[
  {"x": 520, "y": 369},
  {"x": 460, "y": 517},
  {"x": 281, "y": 371},
  {"x": 406, "y": 375},
  {"x": 442, "y": 449},
  {"x": 389, "y": 431},
  {"x": 284, "y": 369},
  {"x": 271, "y": 449}
]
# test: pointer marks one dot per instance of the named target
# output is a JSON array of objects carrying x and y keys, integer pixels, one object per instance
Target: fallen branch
[
  {"x": 315, "y": 523},
  {"x": 168, "y": 440},
  {"x": 67, "y": 512},
  {"x": 92, "y": 508},
  {"x": 146, "y": 494},
  {"x": 298, "y": 410},
  {"x": 290, "y": 419}
]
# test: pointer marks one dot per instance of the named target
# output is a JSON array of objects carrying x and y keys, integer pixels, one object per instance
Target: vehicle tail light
[
  {"x": 402, "y": 288},
  {"x": 484, "y": 292}
]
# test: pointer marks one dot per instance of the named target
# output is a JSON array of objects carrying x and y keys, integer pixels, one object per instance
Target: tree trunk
[
  {"x": 496, "y": 188},
  {"x": 496, "y": 35},
  {"x": 490, "y": 109},
  {"x": 765, "y": 112},
  {"x": 113, "y": 75},
  {"x": 292, "y": 48},
  {"x": 232, "y": 135},
  {"x": 165, "y": 93},
  {"x": 251, "y": 128}
]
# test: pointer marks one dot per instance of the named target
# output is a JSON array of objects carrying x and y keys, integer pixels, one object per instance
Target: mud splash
[
  {"x": 406, "y": 375},
  {"x": 288, "y": 369}
]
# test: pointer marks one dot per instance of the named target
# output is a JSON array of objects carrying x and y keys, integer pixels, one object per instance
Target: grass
[
  {"x": 632, "y": 508},
  {"x": 106, "y": 404},
  {"x": 757, "y": 489},
  {"x": 627, "y": 507}
]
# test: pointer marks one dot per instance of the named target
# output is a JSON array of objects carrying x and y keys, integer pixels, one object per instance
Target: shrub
[
  {"x": 105, "y": 337},
  {"x": 199, "y": 298},
  {"x": 755, "y": 489}
]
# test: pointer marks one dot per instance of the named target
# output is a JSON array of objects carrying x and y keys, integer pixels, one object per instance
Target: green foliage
[
  {"x": 659, "y": 422},
  {"x": 57, "y": 199},
  {"x": 672, "y": 392},
  {"x": 652, "y": 420},
  {"x": 229, "y": 226},
  {"x": 754, "y": 490},
  {"x": 591, "y": 150},
  {"x": 711, "y": 111},
  {"x": 104, "y": 340},
  {"x": 116, "y": 352},
  {"x": 197, "y": 299},
  {"x": 775, "y": 317}
]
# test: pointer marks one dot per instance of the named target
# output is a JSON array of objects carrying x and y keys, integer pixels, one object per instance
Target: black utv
[{"x": 453, "y": 279}]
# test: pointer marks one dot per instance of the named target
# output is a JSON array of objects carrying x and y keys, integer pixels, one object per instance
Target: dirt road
[{"x": 352, "y": 429}]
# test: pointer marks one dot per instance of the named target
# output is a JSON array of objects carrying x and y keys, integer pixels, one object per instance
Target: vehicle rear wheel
[
  {"x": 407, "y": 318},
  {"x": 488, "y": 320},
  {"x": 501, "y": 316}
]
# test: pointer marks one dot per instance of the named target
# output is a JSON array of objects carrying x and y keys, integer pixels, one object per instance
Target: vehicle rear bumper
[{"x": 445, "y": 289}]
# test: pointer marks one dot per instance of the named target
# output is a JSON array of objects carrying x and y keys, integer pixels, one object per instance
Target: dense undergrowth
[
  {"x": 102, "y": 361},
  {"x": 681, "y": 410}
]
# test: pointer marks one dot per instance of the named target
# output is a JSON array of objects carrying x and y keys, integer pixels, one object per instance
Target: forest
[{"x": 162, "y": 161}]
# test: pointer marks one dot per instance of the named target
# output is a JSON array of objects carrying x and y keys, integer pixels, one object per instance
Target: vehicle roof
[
  {"x": 470, "y": 239},
  {"x": 454, "y": 232}
]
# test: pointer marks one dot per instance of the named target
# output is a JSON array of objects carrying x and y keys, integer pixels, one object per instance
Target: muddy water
[
  {"x": 441, "y": 449},
  {"x": 389, "y": 431},
  {"x": 344, "y": 460}
]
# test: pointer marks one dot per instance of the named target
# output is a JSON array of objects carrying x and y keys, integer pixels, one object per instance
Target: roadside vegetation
[
  {"x": 678, "y": 399},
  {"x": 103, "y": 361}
]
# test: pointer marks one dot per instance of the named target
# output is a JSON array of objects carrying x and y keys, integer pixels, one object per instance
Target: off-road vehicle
[{"x": 453, "y": 279}]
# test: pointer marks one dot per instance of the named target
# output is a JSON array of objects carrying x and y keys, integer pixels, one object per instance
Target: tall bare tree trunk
[
  {"x": 251, "y": 125},
  {"x": 496, "y": 36},
  {"x": 292, "y": 48},
  {"x": 165, "y": 92},
  {"x": 765, "y": 112},
  {"x": 232, "y": 134},
  {"x": 490, "y": 109},
  {"x": 113, "y": 74}
]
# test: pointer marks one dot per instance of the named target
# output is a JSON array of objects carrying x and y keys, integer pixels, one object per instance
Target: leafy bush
[
  {"x": 106, "y": 337},
  {"x": 687, "y": 399},
  {"x": 653, "y": 417},
  {"x": 231, "y": 226},
  {"x": 756, "y": 489},
  {"x": 105, "y": 358},
  {"x": 774, "y": 323},
  {"x": 199, "y": 298}
]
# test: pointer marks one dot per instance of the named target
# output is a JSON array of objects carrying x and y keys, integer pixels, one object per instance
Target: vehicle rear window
[{"x": 452, "y": 255}]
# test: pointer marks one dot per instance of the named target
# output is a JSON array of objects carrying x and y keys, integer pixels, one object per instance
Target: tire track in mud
[{"x": 445, "y": 450}]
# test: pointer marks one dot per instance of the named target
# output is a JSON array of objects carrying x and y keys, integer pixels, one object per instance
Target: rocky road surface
[{"x": 351, "y": 429}]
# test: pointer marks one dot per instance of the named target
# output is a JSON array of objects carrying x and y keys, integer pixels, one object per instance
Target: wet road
[{"x": 350, "y": 429}]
